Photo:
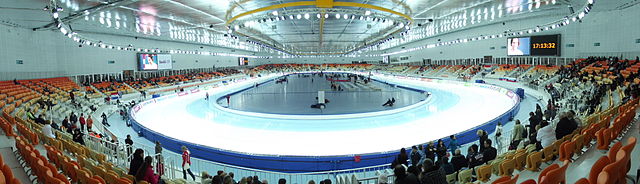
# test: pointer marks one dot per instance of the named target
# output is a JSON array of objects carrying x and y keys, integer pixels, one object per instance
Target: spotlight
[
  {"x": 275, "y": 13},
  {"x": 337, "y": 16},
  {"x": 326, "y": 16},
  {"x": 306, "y": 15},
  {"x": 46, "y": 8},
  {"x": 367, "y": 12},
  {"x": 55, "y": 15},
  {"x": 299, "y": 16}
]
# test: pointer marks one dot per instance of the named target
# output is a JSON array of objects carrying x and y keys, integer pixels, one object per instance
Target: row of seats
[
  {"x": 6, "y": 175},
  {"x": 40, "y": 167}
]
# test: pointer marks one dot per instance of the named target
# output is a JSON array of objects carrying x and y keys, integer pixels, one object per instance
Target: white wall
[
  {"x": 50, "y": 54},
  {"x": 615, "y": 30}
]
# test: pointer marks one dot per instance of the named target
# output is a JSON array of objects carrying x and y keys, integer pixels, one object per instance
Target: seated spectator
[
  {"x": 415, "y": 155},
  {"x": 458, "y": 161},
  {"x": 39, "y": 120},
  {"x": 565, "y": 126},
  {"x": 205, "y": 177},
  {"x": 432, "y": 173},
  {"x": 145, "y": 172},
  {"x": 473, "y": 157},
  {"x": 47, "y": 130},
  {"x": 446, "y": 166},
  {"x": 490, "y": 152},
  {"x": 30, "y": 115},
  {"x": 546, "y": 136},
  {"x": 402, "y": 177},
  {"x": 78, "y": 136}
]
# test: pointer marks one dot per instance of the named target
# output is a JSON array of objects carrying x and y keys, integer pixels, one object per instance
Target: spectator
[
  {"x": 432, "y": 173},
  {"x": 311, "y": 182},
  {"x": 160, "y": 165},
  {"x": 158, "y": 148},
  {"x": 402, "y": 177},
  {"x": 458, "y": 161},
  {"x": 430, "y": 151},
  {"x": 30, "y": 115},
  {"x": 129, "y": 144},
  {"x": 533, "y": 122},
  {"x": 265, "y": 182},
  {"x": 136, "y": 162},
  {"x": 47, "y": 130},
  {"x": 82, "y": 122},
  {"x": 145, "y": 172},
  {"x": 546, "y": 136},
  {"x": 446, "y": 166},
  {"x": 415, "y": 155},
  {"x": 565, "y": 126},
  {"x": 78, "y": 136},
  {"x": 489, "y": 153},
  {"x": 186, "y": 164},
  {"x": 473, "y": 157},
  {"x": 206, "y": 178},
  {"x": 441, "y": 150},
  {"x": 453, "y": 144},
  {"x": 104, "y": 119},
  {"x": 233, "y": 179},
  {"x": 215, "y": 180},
  {"x": 517, "y": 135},
  {"x": 498, "y": 134},
  {"x": 74, "y": 119},
  {"x": 227, "y": 180},
  {"x": 66, "y": 125},
  {"x": 40, "y": 120},
  {"x": 89, "y": 123},
  {"x": 482, "y": 136},
  {"x": 256, "y": 180},
  {"x": 282, "y": 181},
  {"x": 402, "y": 158}
]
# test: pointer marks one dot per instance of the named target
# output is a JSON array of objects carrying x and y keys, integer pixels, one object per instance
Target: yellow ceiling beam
[
  {"x": 319, "y": 3},
  {"x": 324, "y": 3}
]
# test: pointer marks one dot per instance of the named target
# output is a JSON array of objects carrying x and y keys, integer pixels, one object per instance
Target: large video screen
[
  {"x": 547, "y": 45},
  {"x": 242, "y": 61},
  {"x": 147, "y": 61},
  {"x": 385, "y": 59}
]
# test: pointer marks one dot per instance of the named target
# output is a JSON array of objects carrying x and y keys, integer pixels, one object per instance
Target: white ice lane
[{"x": 475, "y": 106}]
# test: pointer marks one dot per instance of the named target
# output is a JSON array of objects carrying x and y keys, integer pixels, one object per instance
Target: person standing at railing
[
  {"x": 89, "y": 123},
  {"x": 453, "y": 144},
  {"x": 517, "y": 135},
  {"x": 129, "y": 144},
  {"x": 186, "y": 163},
  {"x": 498, "y": 136}
]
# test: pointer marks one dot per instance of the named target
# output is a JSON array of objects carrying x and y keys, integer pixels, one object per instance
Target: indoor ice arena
[{"x": 319, "y": 91}]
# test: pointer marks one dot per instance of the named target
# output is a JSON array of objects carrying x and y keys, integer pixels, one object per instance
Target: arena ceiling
[{"x": 314, "y": 27}]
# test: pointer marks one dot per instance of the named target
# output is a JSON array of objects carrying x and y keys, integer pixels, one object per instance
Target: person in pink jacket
[
  {"x": 145, "y": 173},
  {"x": 186, "y": 163}
]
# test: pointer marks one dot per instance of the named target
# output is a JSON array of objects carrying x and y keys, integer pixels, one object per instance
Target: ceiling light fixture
[
  {"x": 299, "y": 16},
  {"x": 275, "y": 13},
  {"x": 306, "y": 16}
]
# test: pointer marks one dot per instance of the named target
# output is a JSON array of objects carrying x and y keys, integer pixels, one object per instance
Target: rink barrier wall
[{"x": 306, "y": 164}]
